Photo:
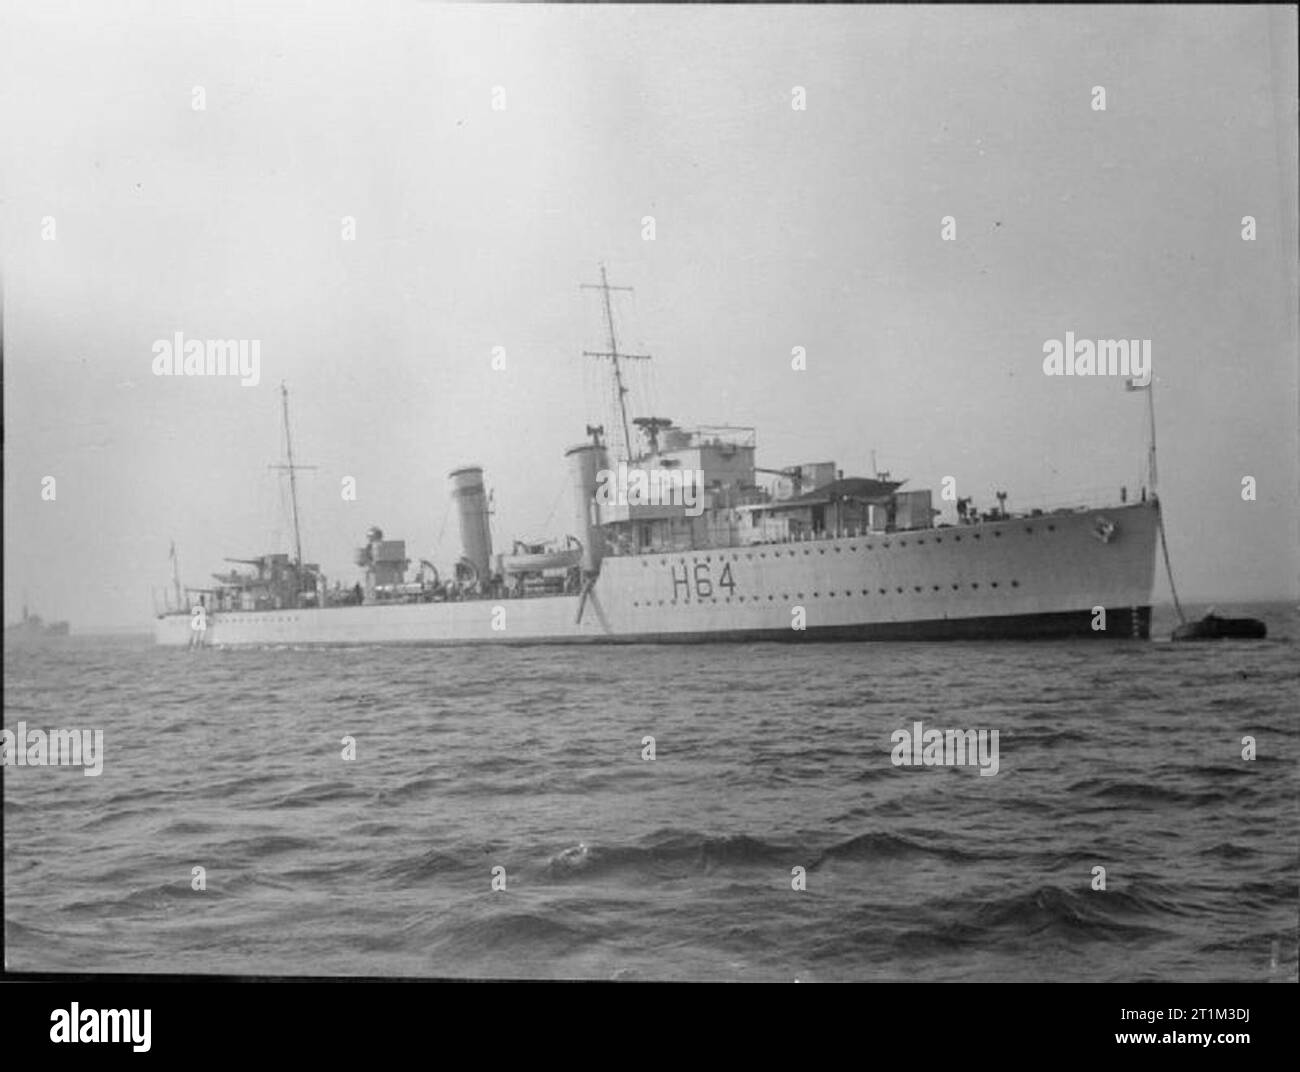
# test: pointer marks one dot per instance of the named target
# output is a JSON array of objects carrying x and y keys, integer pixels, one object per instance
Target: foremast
[{"x": 614, "y": 357}]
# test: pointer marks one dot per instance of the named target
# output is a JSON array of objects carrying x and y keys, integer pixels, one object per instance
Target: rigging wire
[{"x": 555, "y": 505}]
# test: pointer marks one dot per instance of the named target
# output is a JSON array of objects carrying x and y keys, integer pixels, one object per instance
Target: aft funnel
[{"x": 471, "y": 505}]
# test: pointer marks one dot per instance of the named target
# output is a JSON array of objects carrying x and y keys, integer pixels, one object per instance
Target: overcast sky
[{"x": 774, "y": 228}]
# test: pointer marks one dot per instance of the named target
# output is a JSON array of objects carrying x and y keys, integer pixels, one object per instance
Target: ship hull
[{"x": 1083, "y": 574}]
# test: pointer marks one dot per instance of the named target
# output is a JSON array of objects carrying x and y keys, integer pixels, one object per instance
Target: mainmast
[
  {"x": 613, "y": 355},
  {"x": 293, "y": 481}
]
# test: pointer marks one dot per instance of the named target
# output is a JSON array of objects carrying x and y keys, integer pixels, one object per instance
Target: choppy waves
[{"x": 499, "y": 818}]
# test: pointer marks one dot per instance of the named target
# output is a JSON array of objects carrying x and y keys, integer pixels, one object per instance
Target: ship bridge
[
  {"x": 691, "y": 488},
  {"x": 722, "y": 458}
]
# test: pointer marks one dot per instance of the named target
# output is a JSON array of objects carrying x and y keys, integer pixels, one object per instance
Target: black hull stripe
[
  {"x": 1122, "y": 623},
  {"x": 1127, "y": 623}
]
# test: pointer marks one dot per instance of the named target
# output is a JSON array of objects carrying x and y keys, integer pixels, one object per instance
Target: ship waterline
[{"x": 1020, "y": 577}]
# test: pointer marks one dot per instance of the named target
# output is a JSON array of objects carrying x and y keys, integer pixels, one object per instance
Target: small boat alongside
[{"x": 1216, "y": 627}]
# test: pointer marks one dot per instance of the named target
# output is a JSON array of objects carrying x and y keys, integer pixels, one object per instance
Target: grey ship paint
[{"x": 816, "y": 556}]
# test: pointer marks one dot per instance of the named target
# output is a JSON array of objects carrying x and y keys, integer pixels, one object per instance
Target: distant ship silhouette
[{"x": 33, "y": 627}]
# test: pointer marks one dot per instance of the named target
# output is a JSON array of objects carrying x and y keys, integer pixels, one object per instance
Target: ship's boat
[
  {"x": 1215, "y": 627},
  {"x": 534, "y": 558}
]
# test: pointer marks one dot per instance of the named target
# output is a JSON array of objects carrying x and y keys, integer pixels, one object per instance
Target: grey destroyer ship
[{"x": 678, "y": 541}]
